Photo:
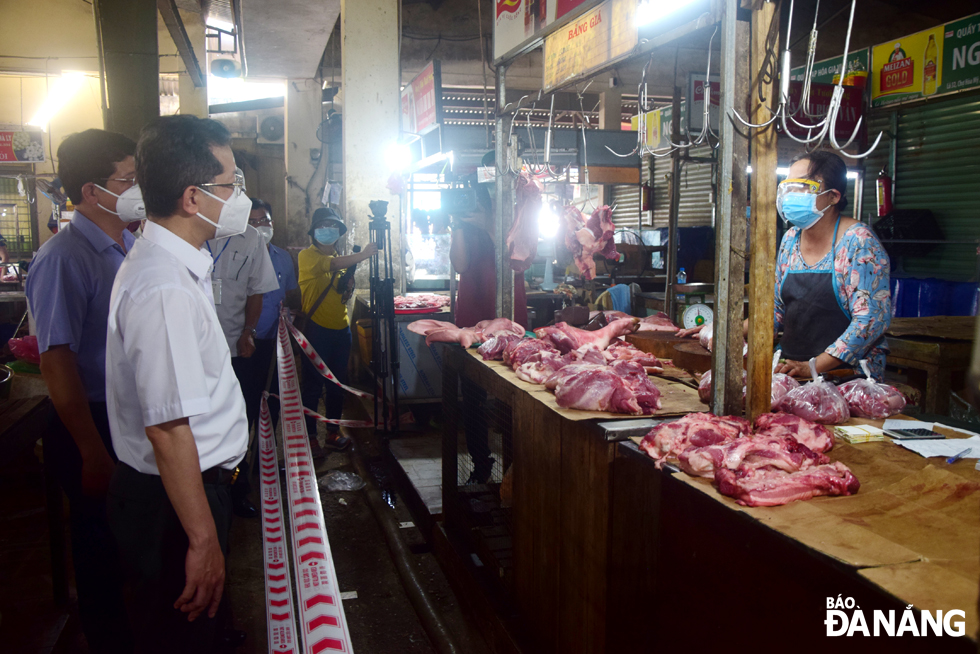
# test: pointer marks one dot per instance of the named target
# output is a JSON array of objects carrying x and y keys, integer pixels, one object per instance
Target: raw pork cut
[
  {"x": 493, "y": 347},
  {"x": 707, "y": 336},
  {"x": 609, "y": 315},
  {"x": 635, "y": 374},
  {"x": 770, "y": 487},
  {"x": 567, "y": 338},
  {"x": 623, "y": 351},
  {"x": 659, "y": 322},
  {"x": 520, "y": 352},
  {"x": 669, "y": 439},
  {"x": 760, "y": 451},
  {"x": 424, "y": 327},
  {"x": 816, "y": 437},
  {"x": 541, "y": 367},
  {"x": 465, "y": 337},
  {"x": 420, "y": 301},
  {"x": 586, "y": 238},
  {"x": 488, "y": 328},
  {"x": 596, "y": 388},
  {"x": 522, "y": 239},
  {"x": 868, "y": 399}
]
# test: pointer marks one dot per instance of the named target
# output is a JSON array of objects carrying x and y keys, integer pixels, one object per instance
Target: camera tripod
[{"x": 384, "y": 333}]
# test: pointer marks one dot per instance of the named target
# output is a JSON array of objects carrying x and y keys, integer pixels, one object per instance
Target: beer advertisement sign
[{"x": 908, "y": 68}]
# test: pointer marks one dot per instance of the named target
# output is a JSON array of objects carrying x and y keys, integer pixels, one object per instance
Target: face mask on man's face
[
  {"x": 265, "y": 231},
  {"x": 233, "y": 218}
]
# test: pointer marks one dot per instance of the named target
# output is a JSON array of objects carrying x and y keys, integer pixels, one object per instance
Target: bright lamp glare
[
  {"x": 398, "y": 157},
  {"x": 650, "y": 11},
  {"x": 547, "y": 221},
  {"x": 63, "y": 90}
]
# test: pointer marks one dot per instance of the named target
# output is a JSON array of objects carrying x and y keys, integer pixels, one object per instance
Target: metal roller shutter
[
  {"x": 696, "y": 206},
  {"x": 626, "y": 203},
  {"x": 937, "y": 168}
]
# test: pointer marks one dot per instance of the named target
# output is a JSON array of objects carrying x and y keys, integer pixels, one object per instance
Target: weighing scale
[{"x": 696, "y": 315}]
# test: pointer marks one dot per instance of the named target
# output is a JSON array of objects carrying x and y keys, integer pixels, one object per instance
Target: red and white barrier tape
[
  {"x": 279, "y": 615},
  {"x": 318, "y": 363},
  {"x": 358, "y": 424},
  {"x": 322, "y": 620}
]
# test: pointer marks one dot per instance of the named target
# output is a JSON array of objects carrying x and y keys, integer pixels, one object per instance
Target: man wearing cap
[{"x": 328, "y": 330}]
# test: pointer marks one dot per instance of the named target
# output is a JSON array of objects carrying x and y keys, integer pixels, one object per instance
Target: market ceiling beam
[
  {"x": 175, "y": 25},
  {"x": 762, "y": 275}
]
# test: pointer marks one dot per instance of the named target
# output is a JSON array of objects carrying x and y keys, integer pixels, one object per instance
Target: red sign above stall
[
  {"x": 422, "y": 100},
  {"x": 851, "y": 110}
]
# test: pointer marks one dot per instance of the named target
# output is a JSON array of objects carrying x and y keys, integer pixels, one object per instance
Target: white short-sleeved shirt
[
  {"x": 243, "y": 265},
  {"x": 167, "y": 357}
]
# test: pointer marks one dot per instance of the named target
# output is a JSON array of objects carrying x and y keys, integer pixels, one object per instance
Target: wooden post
[
  {"x": 670, "y": 303},
  {"x": 727, "y": 365},
  {"x": 762, "y": 275}
]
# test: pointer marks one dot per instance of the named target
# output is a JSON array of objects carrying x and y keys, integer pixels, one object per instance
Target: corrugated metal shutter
[
  {"x": 937, "y": 168},
  {"x": 626, "y": 203},
  {"x": 696, "y": 207}
]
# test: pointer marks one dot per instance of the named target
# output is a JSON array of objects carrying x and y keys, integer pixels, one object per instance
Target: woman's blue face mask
[
  {"x": 796, "y": 202},
  {"x": 326, "y": 235}
]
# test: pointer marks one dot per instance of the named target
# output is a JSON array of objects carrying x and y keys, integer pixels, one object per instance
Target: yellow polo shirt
[{"x": 314, "y": 276}]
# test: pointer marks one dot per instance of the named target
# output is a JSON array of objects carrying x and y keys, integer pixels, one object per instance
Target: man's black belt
[{"x": 219, "y": 476}]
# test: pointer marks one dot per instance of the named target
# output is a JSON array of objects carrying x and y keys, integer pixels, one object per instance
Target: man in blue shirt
[
  {"x": 287, "y": 293},
  {"x": 68, "y": 290}
]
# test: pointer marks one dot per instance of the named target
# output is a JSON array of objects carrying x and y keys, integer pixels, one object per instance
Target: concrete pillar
[
  {"x": 127, "y": 31},
  {"x": 306, "y": 157},
  {"x": 372, "y": 107},
  {"x": 194, "y": 100}
]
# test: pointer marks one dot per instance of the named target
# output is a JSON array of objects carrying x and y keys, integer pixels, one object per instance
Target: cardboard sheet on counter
[
  {"x": 929, "y": 586},
  {"x": 676, "y": 399},
  {"x": 908, "y": 509}
]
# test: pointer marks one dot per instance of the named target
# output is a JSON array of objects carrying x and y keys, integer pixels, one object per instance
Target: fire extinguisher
[{"x": 884, "y": 193}]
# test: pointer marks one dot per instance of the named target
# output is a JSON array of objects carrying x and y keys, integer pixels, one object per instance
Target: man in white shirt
[
  {"x": 175, "y": 407},
  {"x": 241, "y": 274}
]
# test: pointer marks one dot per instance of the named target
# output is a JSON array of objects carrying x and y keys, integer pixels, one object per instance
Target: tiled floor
[{"x": 421, "y": 458}]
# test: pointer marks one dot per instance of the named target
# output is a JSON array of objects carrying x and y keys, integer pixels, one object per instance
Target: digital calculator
[{"x": 913, "y": 434}]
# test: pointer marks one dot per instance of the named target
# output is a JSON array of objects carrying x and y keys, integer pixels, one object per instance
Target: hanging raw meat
[
  {"x": 522, "y": 239},
  {"x": 585, "y": 238}
]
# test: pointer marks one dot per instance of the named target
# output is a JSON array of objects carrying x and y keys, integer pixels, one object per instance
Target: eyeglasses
[
  {"x": 799, "y": 186},
  {"x": 130, "y": 182},
  {"x": 238, "y": 185}
]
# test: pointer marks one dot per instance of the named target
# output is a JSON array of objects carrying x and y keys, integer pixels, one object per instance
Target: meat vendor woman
[{"x": 832, "y": 275}]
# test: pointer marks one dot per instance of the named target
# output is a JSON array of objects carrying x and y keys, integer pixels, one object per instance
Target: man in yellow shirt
[{"x": 328, "y": 330}]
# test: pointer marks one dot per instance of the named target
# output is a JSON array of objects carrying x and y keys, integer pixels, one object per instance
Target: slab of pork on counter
[
  {"x": 622, "y": 387},
  {"x": 441, "y": 331},
  {"x": 659, "y": 322},
  {"x": 779, "y": 460},
  {"x": 567, "y": 338}
]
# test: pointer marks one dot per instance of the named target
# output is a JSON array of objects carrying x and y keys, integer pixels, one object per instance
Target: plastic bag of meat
[
  {"x": 781, "y": 382},
  {"x": 866, "y": 398},
  {"x": 704, "y": 387},
  {"x": 817, "y": 401},
  {"x": 25, "y": 349}
]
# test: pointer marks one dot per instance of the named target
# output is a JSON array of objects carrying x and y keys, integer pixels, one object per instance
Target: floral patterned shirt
[{"x": 861, "y": 283}]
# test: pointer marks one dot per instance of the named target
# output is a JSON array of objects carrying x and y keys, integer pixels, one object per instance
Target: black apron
[{"x": 813, "y": 318}]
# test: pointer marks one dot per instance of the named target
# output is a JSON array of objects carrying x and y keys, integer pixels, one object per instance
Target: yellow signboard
[
  {"x": 650, "y": 124},
  {"x": 908, "y": 68},
  {"x": 587, "y": 43}
]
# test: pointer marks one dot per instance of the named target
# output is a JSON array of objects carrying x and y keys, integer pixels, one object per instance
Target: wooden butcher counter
[
  {"x": 550, "y": 551},
  {"x": 692, "y": 567}
]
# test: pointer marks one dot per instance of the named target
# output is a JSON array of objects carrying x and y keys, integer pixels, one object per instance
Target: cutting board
[
  {"x": 692, "y": 356},
  {"x": 659, "y": 344}
]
